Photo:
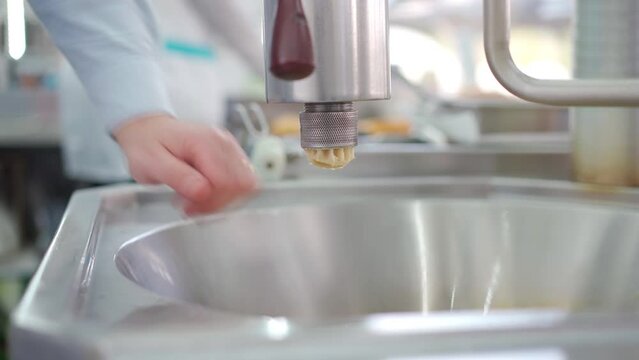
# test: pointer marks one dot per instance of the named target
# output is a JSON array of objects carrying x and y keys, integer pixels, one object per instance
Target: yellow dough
[{"x": 335, "y": 158}]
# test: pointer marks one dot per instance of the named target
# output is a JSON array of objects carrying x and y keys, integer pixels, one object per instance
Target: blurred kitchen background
[{"x": 444, "y": 97}]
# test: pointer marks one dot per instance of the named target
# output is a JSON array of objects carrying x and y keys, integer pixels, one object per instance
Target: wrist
[{"x": 139, "y": 121}]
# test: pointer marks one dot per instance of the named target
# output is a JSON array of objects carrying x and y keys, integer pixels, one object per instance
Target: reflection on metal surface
[
  {"x": 422, "y": 255},
  {"x": 492, "y": 286},
  {"x": 496, "y": 272},
  {"x": 453, "y": 292},
  {"x": 536, "y": 354},
  {"x": 158, "y": 266},
  {"x": 277, "y": 328},
  {"x": 359, "y": 257},
  {"x": 407, "y": 324}
]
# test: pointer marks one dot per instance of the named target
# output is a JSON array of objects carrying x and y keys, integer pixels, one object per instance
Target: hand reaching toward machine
[{"x": 204, "y": 165}]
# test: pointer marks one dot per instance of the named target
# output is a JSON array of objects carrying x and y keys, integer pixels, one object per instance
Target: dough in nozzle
[{"x": 335, "y": 158}]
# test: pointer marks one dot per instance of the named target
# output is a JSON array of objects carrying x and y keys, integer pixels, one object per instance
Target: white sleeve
[
  {"x": 241, "y": 34},
  {"x": 112, "y": 45}
]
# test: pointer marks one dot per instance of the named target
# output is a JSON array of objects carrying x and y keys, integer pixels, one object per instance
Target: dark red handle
[{"x": 292, "y": 46}]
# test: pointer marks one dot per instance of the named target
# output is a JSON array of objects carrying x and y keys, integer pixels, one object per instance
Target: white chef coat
[
  {"x": 125, "y": 61},
  {"x": 112, "y": 45}
]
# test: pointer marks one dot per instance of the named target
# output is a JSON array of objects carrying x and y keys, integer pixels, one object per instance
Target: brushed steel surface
[
  {"x": 513, "y": 159},
  {"x": 350, "y": 43},
  {"x": 388, "y": 256},
  {"x": 80, "y": 306}
]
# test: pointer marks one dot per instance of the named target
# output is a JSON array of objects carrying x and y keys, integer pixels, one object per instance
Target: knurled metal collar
[{"x": 328, "y": 129}]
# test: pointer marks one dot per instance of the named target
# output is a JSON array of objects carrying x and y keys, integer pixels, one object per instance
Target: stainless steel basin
[
  {"x": 362, "y": 257},
  {"x": 551, "y": 262}
]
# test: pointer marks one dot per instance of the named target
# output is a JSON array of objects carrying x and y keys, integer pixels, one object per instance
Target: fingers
[
  {"x": 245, "y": 172},
  {"x": 181, "y": 177},
  {"x": 206, "y": 167},
  {"x": 222, "y": 162},
  {"x": 218, "y": 157},
  {"x": 213, "y": 204}
]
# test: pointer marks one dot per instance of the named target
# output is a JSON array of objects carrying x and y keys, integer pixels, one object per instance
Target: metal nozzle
[{"x": 328, "y": 125}]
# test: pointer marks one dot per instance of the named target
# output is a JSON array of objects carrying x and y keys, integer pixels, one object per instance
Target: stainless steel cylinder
[
  {"x": 606, "y": 47},
  {"x": 350, "y": 46}
]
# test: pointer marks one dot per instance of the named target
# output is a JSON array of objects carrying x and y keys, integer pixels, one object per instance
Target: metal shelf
[{"x": 430, "y": 13}]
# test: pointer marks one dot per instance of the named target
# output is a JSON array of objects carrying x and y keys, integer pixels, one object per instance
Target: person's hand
[{"x": 205, "y": 166}]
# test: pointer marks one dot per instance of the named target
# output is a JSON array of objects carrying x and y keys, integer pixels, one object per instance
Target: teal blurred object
[{"x": 201, "y": 51}]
